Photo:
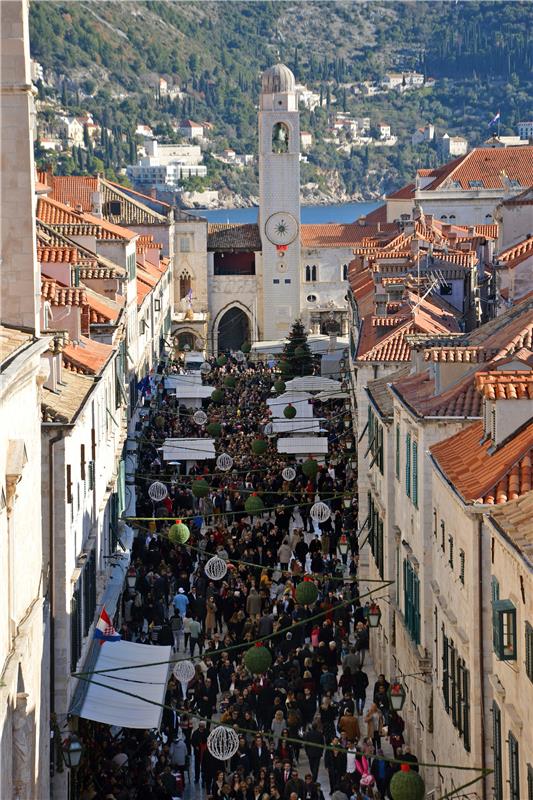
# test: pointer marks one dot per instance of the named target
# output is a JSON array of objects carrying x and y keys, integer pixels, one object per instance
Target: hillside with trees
[{"x": 106, "y": 58}]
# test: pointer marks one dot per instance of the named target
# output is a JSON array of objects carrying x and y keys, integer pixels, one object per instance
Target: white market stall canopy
[
  {"x": 331, "y": 395},
  {"x": 303, "y": 445},
  {"x": 188, "y": 449},
  {"x": 300, "y": 400},
  {"x": 318, "y": 343},
  {"x": 147, "y": 685},
  {"x": 305, "y": 425},
  {"x": 313, "y": 383},
  {"x": 186, "y": 387}
]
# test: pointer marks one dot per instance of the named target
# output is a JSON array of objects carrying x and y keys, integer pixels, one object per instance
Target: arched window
[
  {"x": 280, "y": 138},
  {"x": 310, "y": 273},
  {"x": 185, "y": 284},
  {"x": 488, "y": 217},
  {"x": 444, "y": 216},
  {"x": 452, "y": 216}
]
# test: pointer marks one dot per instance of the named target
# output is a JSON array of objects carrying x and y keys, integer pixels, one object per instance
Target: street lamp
[
  {"x": 374, "y": 615},
  {"x": 347, "y": 501},
  {"x": 72, "y": 749},
  {"x": 347, "y": 418},
  {"x": 396, "y": 695}
]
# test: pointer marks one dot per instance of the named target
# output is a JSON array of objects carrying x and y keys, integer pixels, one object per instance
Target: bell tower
[{"x": 279, "y": 200}]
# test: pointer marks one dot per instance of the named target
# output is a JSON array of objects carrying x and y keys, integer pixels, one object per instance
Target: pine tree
[
  {"x": 64, "y": 95},
  {"x": 296, "y": 353}
]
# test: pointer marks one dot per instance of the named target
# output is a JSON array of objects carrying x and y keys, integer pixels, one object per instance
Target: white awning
[
  {"x": 311, "y": 445},
  {"x": 300, "y": 400},
  {"x": 312, "y": 383},
  {"x": 188, "y": 449},
  {"x": 309, "y": 425},
  {"x": 103, "y": 704},
  {"x": 186, "y": 386}
]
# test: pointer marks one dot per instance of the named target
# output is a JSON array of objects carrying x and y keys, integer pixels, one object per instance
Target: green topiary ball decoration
[
  {"x": 179, "y": 533},
  {"x": 200, "y": 488},
  {"x": 279, "y": 386},
  {"x": 218, "y": 396},
  {"x": 306, "y": 593},
  {"x": 310, "y": 468},
  {"x": 259, "y": 447},
  {"x": 246, "y": 347},
  {"x": 289, "y": 411},
  {"x": 230, "y": 381},
  {"x": 254, "y": 504},
  {"x": 257, "y": 659},
  {"x": 407, "y": 785},
  {"x": 214, "y": 429},
  {"x": 221, "y": 361}
]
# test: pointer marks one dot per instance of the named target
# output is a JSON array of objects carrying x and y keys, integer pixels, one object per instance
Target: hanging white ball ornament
[
  {"x": 224, "y": 462},
  {"x": 223, "y": 743},
  {"x": 320, "y": 512},
  {"x": 157, "y": 491},
  {"x": 200, "y": 417},
  {"x": 239, "y": 356},
  {"x": 184, "y": 671},
  {"x": 216, "y": 568},
  {"x": 288, "y": 474},
  {"x": 268, "y": 430},
  {"x": 205, "y": 368}
]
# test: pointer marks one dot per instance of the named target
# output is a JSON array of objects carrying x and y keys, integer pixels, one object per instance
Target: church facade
[{"x": 249, "y": 282}]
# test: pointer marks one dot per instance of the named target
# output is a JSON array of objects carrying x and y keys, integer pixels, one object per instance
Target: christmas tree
[{"x": 296, "y": 359}]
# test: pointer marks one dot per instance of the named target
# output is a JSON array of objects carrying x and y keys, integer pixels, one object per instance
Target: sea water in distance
[{"x": 340, "y": 212}]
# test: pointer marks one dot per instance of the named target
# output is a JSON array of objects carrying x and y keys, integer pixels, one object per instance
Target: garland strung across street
[{"x": 307, "y": 588}]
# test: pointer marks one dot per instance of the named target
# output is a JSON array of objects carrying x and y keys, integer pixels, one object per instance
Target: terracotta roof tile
[
  {"x": 59, "y": 295},
  {"x": 463, "y": 354},
  {"x": 492, "y": 166},
  {"x": 515, "y": 518},
  {"x": 483, "y": 477},
  {"x": 515, "y": 255},
  {"x": 509, "y": 385},
  {"x": 57, "y": 255},
  {"x": 337, "y": 235},
  {"x": 54, "y": 213},
  {"x": 460, "y": 400},
  {"x": 405, "y": 193},
  {"x": 88, "y": 357},
  {"x": 73, "y": 190}
]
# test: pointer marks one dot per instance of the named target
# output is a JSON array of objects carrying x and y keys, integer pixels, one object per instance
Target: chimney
[
  {"x": 362, "y": 221},
  {"x": 96, "y": 204},
  {"x": 19, "y": 276},
  {"x": 78, "y": 208},
  {"x": 153, "y": 193}
]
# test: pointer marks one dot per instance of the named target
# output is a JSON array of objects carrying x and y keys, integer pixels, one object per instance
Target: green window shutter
[
  {"x": 398, "y": 452},
  {"x": 529, "y": 651},
  {"x": 380, "y": 548},
  {"x": 529, "y": 782},
  {"x": 466, "y": 708},
  {"x": 497, "y": 746},
  {"x": 416, "y": 609},
  {"x": 408, "y": 464},
  {"x": 514, "y": 774},
  {"x": 445, "y": 672},
  {"x": 415, "y": 475},
  {"x": 495, "y": 595},
  {"x": 453, "y": 681}
]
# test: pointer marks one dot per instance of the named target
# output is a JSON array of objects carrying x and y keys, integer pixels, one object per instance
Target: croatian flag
[
  {"x": 189, "y": 297},
  {"x": 495, "y": 119},
  {"x": 104, "y": 630}
]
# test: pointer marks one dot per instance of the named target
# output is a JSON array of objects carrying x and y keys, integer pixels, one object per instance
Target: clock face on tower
[{"x": 281, "y": 228}]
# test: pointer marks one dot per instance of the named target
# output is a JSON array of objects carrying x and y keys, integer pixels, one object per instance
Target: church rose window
[{"x": 280, "y": 138}]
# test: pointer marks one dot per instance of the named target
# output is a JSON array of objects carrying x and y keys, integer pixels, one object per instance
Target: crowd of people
[{"x": 311, "y": 727}]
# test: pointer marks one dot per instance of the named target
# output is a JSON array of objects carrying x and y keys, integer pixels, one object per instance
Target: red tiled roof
[
  {"x": 87, "y": 357},
  {"x": 460, "y": 400},
  {"x": 51, "y": 212},
  {"x": 490, "y": 165},
  {"x": 513, "y": 385},
  {"x": 483, "y": 477},
  {"x": 59, "y": 295},
  {"x": 405, "y": 193},
  {"x": 463, "y": 354},
  {"x": 335, "y": 235},
  {"x": 47, "y": 254},
  {"x": 73, "y": 190},
  {"x": 515, "y": 255},
  {"x": 377, "y": 217}
]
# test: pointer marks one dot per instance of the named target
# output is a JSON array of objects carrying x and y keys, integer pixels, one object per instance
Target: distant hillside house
[
  {"x": 450, "y": 146},
  {"x": 191, "y": 130},
  {"x": 425, "y": 134},
  {"x": 403, "y": 80},
  {"x": 71, "y": 129},
  {"x": 306, "y": 140}
]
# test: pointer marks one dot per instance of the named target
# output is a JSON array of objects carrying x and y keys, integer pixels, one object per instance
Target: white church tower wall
[{"x": 279, "y": 196}]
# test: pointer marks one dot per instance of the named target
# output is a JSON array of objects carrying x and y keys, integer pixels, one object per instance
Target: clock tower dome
[{"x": 279, "y": 200}]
